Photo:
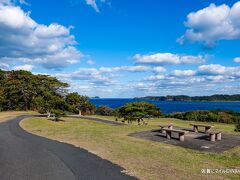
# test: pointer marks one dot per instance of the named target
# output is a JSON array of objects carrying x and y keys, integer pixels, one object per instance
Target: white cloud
[
  {"x": 4, "y": 66},
  {"x": 93, "y": 4},
  {"x": 124, "y": 68},
  {"x": 12, "y": 2},
  {"x": 212, "y": 69},
  {"x": 168, "y": 58},
  {"x": 213, "y": 23},
  {"x": 52, "y": 45},
  {"x": 237, "y": 60},
  {"x": 183, "y": 73},
  {"x": 159, "y": 69},
  {"x": 217, "y": 69},
  {"x": 26, "y": 67}
]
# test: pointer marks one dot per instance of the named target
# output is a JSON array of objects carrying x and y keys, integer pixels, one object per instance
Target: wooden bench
[
  {"x": 207, "y": 127},
  {"x": 170, "y": 131},
  {"x": 215, "y": 135},
  {"x": 169, "y": 126}
]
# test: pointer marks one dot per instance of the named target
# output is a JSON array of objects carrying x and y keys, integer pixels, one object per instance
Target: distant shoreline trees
[
  {"x": 216, "y": 97},
  {"x": 221, "y": 116}
]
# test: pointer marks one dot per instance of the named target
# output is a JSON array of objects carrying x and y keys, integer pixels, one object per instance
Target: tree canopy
[
  {"x": 78, "y": 103},
  {"x": 137, "y": 111},
  {"x": 22, "y": 90}
]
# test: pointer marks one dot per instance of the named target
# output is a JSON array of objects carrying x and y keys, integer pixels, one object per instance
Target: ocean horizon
[{"x": 172, "y": 106}]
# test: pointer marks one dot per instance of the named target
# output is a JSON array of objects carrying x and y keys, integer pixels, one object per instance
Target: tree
[
  {"x": 22, "y": 90},
  {"x": 19, "y": 89},
  {"x": 104, "y": 111},
  {"x": 51, "y": 104},
  {"x": 137, "y": 111},
  {"x": 78, "y": 103}
]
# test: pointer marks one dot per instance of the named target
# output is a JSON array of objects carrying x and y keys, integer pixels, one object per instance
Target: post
[
  {"x": 212, "y": 137},
  {"x": 195, "y": 128},
  {"x": 80, "y": 113},
  {"x": 207, "y": 129},
  {"x": 168, "y": 134},
  {"x": 219, "y": 136},
  {"x": 181, "y": 137}
]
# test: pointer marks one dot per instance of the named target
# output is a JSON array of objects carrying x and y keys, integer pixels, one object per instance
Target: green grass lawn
[
  {"x": 177, "y": 122},
  {"x": 142, "y": 158}
]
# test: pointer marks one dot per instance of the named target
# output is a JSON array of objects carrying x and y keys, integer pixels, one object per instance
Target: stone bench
[
  {"x": 196, "y": 126},
  {"x": 215, "y": 135},
  {"x": 168, "y": 126},
  {"x": 170, "y": 131}
]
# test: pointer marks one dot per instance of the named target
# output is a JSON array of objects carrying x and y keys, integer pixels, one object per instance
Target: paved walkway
[
  {"x": 24, "y": 156},
  {"x": 98, "y": 120}
]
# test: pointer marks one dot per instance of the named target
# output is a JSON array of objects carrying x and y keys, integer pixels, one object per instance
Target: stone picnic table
[
  {"x": 179, "y": 132},
  {"x": 196, "y": 126}
]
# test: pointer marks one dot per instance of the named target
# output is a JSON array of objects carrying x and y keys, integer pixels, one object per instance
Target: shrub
[
  {"x": 58, "y": 114},
  {"x": 104, "y": 111},
  {"x": 237, "y": 129},
  {"x": 222, "y": 116}
]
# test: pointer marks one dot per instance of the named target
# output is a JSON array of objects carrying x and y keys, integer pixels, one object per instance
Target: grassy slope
[{"x": 142, "y": 158}]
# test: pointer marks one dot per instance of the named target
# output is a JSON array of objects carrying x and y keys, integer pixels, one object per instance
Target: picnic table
[
  {"x": 215, "y": 135},
  {"x": 179, "y": 132},
  {"x": 196, "y": 126},
  {"x": 169, "y": 126}
]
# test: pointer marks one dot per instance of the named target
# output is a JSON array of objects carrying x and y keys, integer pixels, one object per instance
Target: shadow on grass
[{"x": 54, "y": 120}]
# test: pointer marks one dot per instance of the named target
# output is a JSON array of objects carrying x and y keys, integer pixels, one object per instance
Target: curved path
[
  {"x": 24, "y": 156},
  {"x": 98, "y": 120}
]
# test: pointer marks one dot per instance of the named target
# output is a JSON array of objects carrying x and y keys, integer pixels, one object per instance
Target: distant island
[
  {"x": 95, "y": 97},
  {"x": 216, "y": 97}
]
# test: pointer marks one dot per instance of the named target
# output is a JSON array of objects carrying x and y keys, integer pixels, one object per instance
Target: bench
[
  {"x": 215, "y": 135},
  {"x": 207, "y": 127},
  {"x": 170, "y": 131},
  {"x": 169, "y": 126}
]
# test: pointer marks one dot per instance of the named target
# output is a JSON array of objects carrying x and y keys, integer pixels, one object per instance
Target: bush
[
  {"x": 222, "y": 116},
  {"x": 104, "y": 111},
  {"x": 58, "y": 114},
  {"x": 237, "y": 129}
]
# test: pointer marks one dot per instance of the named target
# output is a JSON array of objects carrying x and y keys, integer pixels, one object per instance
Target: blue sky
[{"x": 126, "y": 48}]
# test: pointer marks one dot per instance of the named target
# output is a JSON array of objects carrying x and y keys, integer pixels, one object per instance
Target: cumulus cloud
[
  {"x": 206, "y": 77},
  {"x": 213, "y": 69},
  {"x": 237, "y": 60},
  {"x": 22, "y": 38},
  {"x": 125, "y": 68},
  {"x": 168, "y": 58},
  {"x": 217, "y": 69},
  {"x": 212, "y": 24},
  {"x": 183, "y": 73},
  {"x": 159, "y": 69},
  {"x": 26, "y": 67}
]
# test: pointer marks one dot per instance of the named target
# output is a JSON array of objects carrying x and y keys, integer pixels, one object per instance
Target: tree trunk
[{"x": 48, "y": 114}]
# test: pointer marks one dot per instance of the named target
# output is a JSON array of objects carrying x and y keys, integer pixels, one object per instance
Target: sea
[{"x": 171, "y": 106}]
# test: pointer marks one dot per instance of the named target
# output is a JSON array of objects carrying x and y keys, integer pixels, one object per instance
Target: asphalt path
[
  {"x": 24, "y": 156},
  {"x": 98, "y": 120}
]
